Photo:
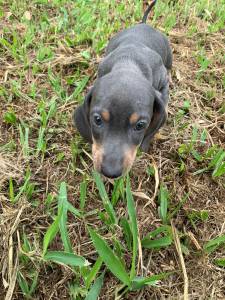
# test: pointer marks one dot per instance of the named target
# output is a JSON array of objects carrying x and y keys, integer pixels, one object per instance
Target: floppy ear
[
  {"x": 158, "y": 119},
  {"x": 81, "y": 118}
]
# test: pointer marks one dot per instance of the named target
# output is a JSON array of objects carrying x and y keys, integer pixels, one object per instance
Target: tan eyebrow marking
[
  {"x": 105, "y": 115},
  {"x": 133, "y": 118}
]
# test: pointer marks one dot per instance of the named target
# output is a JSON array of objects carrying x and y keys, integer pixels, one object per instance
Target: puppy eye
[
  {"x": 140, "y": 125},
  {"x": 98, "y": 120}
]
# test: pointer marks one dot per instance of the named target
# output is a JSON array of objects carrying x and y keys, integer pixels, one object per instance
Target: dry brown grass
[{"x": 205, "y": 280}]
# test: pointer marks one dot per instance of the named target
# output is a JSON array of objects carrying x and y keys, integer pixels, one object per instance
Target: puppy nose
[{"x": 110, "y": 172}]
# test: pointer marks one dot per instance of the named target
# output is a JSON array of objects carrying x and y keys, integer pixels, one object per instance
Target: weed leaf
[
  {"x": 66, "y": 258},
  {"x": 110, "y": 259},
  {"x": 96, "y": 288},
  {"x": 151, "y": 242},
  {"x": 140, "y": 282},
  {"x": 51, "y": 232},
  {"x": 92, "y": 274}
]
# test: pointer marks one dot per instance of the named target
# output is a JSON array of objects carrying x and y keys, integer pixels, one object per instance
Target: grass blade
[
  {"x": 127, "y": 232},
  {"x": 52, "y": 110},
  {"x": 66, "y": 258},
  {"x": 24, "y": 139},
  {"x": 83, "y": 194},
  {"x": 220, "y": 262},
  {"x": 157, "y": 243},
  {"x": 23, "y": 187},
  {"x": 180, "y": 204},
  {"x": 40, "y": 142},
  {"x": 110, "y": 259},
  {"x": 151, "y": 242},
  {"x": 96, "y": 288},
  {"x": 34, "y": 283},
  {"x": 163, "y": 199},
  {"x": 26, "y": 142},
  {"x": 63, "y": 205},
  {"x": 26, "y": 290},
  {"x": 219, "y": 170},
  {"x": 140, "y": 282},
  {"x": 11, "y": 190},
  {"x": 73, "y": 210},
  {"x": 51, "y": 232},
  {"x": 80, "y": 87},
  {"x": 102, "y": 192},
  {"x": 134, "y": 227},
  {"x": 118, "y": 191},
  {"x": 217, "y": 158},
  {"x": 214, "y": 244},
  {"x": 92, "y": 274},
  {"x": 23, "y": 284}
]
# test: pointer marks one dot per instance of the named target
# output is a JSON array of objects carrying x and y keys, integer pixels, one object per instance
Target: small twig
[
  {"x": 194, "y": 240},
  {"x": 140, "y": 258},
  {"x": 181, "y": 258},
  {"x": 12, "y": 283}
]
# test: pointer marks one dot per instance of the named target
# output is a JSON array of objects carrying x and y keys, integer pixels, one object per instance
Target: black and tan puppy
[{"x": 128, "y": 102}]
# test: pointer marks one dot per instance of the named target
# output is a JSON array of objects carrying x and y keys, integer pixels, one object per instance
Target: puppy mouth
[{"x": 112, "y": 175}]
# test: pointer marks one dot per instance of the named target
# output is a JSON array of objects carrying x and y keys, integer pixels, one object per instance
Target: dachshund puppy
[{"x": 127, "y": 104}]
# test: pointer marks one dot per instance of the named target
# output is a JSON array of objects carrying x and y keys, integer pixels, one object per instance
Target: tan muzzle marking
[
  {"x": 129, "y": 157},
  {"x": 97, "y": 154}
]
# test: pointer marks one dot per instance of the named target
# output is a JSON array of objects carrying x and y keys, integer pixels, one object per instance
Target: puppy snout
[
  {"x": 109, "y": 172},
  {"x": 112, "y": 163},
  {"x": 112, "y": 167}
]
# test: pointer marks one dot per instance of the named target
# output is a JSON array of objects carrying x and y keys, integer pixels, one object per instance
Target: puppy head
[{"x": 120, "y": 113}]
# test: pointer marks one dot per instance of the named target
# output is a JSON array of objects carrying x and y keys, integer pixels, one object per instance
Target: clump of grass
[{"x": 129, "y": 279}]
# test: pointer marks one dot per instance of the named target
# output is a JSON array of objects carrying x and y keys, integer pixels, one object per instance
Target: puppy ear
[
  {"x": 158, "y": 119},
  {"x": 81, "y": 118}
]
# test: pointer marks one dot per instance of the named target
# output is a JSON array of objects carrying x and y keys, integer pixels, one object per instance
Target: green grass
[{"x": 76, "y": 236}]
